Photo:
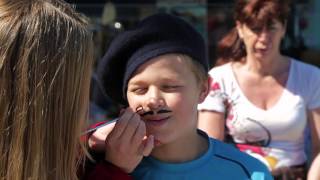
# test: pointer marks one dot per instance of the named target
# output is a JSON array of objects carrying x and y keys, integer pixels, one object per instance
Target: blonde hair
[
  {"x": 196, "y": 68},
  {"x": 45, "y": 68}
]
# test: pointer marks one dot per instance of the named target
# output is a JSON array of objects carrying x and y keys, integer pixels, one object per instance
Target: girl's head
[
  {"x": 256, "y": 15},
  {"x": 45, "y": 66}
]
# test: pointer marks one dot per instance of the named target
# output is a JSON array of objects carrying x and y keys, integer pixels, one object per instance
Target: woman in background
[{"x": 263, "y": 100}]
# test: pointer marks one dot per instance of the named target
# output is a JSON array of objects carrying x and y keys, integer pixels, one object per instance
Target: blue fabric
[{"x": 221, "y": 161}]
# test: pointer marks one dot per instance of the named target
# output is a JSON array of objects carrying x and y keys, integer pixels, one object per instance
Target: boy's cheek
[{"x": 133, "y": 101}]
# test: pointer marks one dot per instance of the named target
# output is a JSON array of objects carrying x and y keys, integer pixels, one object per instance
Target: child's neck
[{"x": 182, "y": 150}]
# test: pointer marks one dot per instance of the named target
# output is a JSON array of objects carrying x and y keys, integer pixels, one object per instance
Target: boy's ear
[{"x": 204, "y": 90}]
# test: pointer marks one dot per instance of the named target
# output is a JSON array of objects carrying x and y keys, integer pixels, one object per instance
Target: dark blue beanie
[{"x": 156, "y": 35}]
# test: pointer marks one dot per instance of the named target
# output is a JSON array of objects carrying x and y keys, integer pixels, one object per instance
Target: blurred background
[{"x": 212, "y": 18}]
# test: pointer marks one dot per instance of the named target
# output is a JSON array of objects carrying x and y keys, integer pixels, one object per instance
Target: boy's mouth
[
  {"x": 156, "y": 121},
  {"x": 155, "y": 118},
  {"x": 151, "y": 112}
]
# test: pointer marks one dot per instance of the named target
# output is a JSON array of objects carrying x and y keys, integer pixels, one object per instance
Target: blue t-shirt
[{"x": 221, "y": 161}]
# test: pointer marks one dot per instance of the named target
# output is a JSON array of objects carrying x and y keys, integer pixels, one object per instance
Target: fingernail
[{"x": 139, "y": 109}]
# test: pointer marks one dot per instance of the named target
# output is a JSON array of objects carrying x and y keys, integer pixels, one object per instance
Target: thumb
[{"x": 148, "y": 146}]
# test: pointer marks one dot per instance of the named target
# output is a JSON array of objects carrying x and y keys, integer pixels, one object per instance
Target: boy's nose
[
  {"x": 154, "y": 98},
  {"x": 155, "y": 103}
]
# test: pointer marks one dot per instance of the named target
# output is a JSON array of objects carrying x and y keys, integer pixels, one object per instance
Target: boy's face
[{"x": 168, "y": 92}]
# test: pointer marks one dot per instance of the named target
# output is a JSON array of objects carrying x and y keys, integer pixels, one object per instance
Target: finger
[
  {"x": 139, "y": 110},
  {"x": 131, "y": 127},
  {"x": 121, "y": 124},
  {"x": 139, "y": 134},
  {"x": 100, "y": 134},
  {"x": 149, "y": 145},
  {"x": 103, "y": 132},
  {"x": 97, "y": 139},
  {"x": 96, "y": 144},
  {"x": 122, "y": 110}
]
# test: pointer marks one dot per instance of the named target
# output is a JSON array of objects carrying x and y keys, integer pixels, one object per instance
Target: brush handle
[{"x": 100, "y": 126}]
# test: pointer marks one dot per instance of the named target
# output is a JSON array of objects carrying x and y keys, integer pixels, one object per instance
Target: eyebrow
[{"x": 161, "y": 79}]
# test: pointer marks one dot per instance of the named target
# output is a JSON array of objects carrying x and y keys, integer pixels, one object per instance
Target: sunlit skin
[{"x": 166, "y": 84}]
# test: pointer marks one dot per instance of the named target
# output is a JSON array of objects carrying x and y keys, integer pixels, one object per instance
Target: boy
[{"x": 159, "y": 70}]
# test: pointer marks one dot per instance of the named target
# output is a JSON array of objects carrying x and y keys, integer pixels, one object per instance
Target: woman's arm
[
  {"x": 314, "y": 120},
  {"x": 314, "y": 171},
  {"x": 212, "y": 123},
  {"x": 314, "y": 117}
]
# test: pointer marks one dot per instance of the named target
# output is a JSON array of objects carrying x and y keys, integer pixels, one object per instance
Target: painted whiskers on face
[
  {"x": 156, "y": 118},
  {"x": 152, "y": 112}
]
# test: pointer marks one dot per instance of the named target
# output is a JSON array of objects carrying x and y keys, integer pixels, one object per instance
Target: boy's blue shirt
[{"x": 221, "y": 161}]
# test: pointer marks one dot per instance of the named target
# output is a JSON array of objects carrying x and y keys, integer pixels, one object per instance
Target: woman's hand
[{"x": 127, "y": 143}]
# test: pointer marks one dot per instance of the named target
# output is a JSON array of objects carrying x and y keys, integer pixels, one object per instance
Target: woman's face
[
  {"x": 167, "y": 89},
  {"x": 262, "y": 43}
]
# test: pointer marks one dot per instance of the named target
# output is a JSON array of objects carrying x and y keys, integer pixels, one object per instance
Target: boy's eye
[
  {"x": 171, "y": 87},
  {"x": 139, "y": 90}
]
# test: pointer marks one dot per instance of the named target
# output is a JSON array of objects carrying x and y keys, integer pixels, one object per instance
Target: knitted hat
[{"x": 156, "y": 35}]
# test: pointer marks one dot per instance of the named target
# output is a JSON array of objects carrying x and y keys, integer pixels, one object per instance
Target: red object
[
  {"x": 86, "y": 137},
  {"x": 214, "y": 85},
  {"x": 104, "y": 170},
  {"x": 255, "y": 149}
]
